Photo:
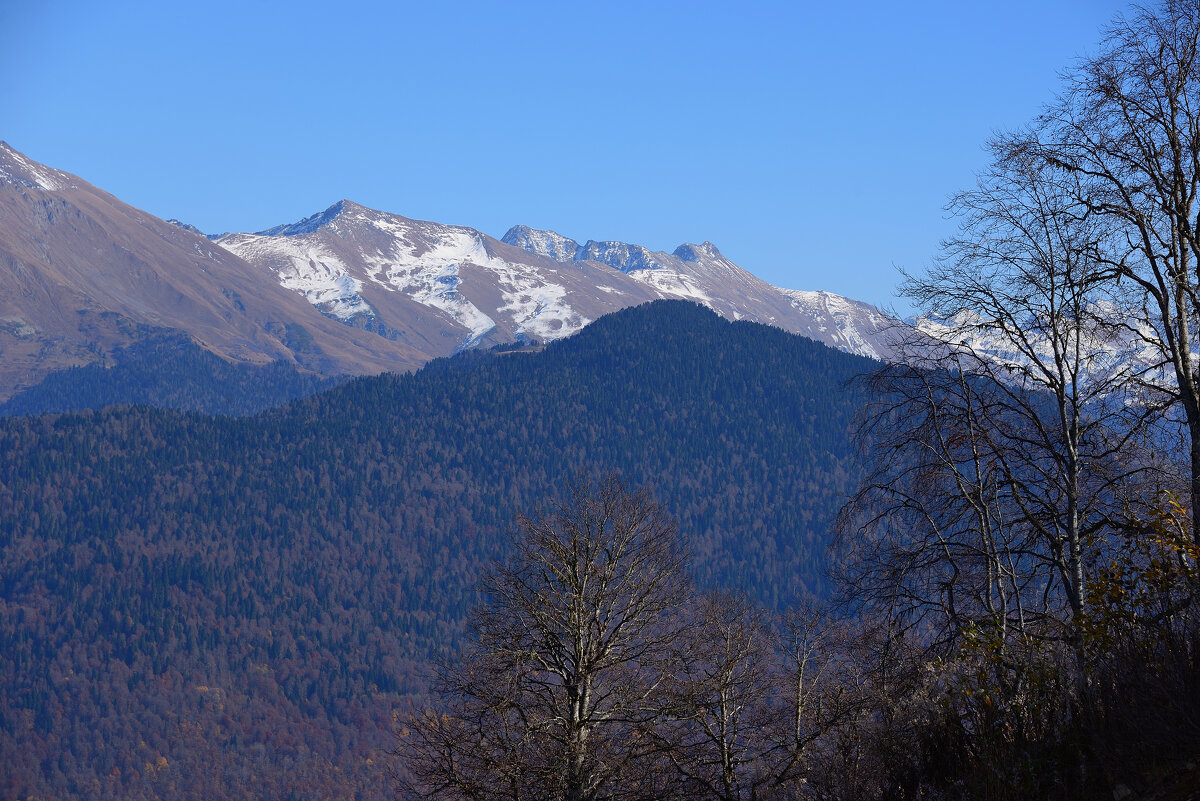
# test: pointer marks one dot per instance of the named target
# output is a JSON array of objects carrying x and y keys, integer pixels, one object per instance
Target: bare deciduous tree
[
  {"x": 755, "y": 710},
  {"x": 1126, "y": 137},
  {"x": 717, "y": 737},
  {"x": 1009, "y": 468},
  {"x": 571, "y": 649},
  {"x": 1000, "y": 443}
]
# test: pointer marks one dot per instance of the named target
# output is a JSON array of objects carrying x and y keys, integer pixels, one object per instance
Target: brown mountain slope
[{"x": 82, "y": 273}]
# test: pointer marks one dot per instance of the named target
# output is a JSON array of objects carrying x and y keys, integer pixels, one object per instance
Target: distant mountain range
[{"x": 84, "y": 277}]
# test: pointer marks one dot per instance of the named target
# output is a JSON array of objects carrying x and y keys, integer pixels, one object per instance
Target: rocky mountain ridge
[
  {"x": 367, "y": 268},
  {"x": 346, "y": 291}
]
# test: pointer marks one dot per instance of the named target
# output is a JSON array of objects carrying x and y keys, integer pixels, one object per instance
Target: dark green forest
[
  {"x": 167, "y": 370},
  {"x": 211, "y": 607}
]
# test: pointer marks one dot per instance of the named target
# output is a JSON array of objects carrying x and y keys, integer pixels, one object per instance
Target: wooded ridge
[{"x": 200, "y": 607}]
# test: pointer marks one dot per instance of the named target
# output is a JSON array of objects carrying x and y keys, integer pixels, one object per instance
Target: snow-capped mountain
[
  {"x": 391, "y": 274},
  {"x": 845, "y": 324},
  {"x": 445, "y": 287},
  {"x": 701, "y": 273},
  {"x": 348, "y": 290}
]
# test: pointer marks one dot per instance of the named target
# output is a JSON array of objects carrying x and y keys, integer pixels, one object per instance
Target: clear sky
[{"x": 814, "y": 143}]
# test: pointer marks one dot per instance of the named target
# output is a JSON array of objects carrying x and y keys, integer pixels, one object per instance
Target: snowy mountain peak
[
  {"x": 621, "y": 256},
  {"x": 308, "y": 224},
  {"x": 16, "y": 168},
  {"x": 690, "y": 252},
  {"x": 618, "y": 255},
  {"x": 384, "y": 272},
  {"x": 543, "y": 243}
]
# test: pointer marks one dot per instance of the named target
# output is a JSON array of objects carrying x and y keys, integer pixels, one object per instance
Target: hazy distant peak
[
  {"x": 17, "y": 168},
  {"x": 308, "y": 224},
  {"x": 544, "y": 243},
  {"x": 689, "y": 252}
]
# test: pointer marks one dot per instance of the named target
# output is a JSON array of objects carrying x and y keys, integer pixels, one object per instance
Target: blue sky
[{"x": 816, "y": 146}]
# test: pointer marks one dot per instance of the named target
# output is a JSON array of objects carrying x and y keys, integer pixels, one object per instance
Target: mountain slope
[
  {"x": 442, "y": 287},
  {"x": 701, "y": 273},
  {"x": 402, "y": 277},
  {"x": 84, "y": 278},
  {"x": 232, "y": 608},
  {"x": 82, "y": 274}
]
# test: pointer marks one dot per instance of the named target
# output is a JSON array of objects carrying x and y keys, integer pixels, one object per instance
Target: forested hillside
[
  {"x": 198, "y": 607},
  {"x": 170, "y": 371}
]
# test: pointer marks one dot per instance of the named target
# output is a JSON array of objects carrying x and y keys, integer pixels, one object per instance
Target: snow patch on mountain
[
  {"x": 621, "y": 256},
  {"x": 438, "y": 289},
  {"x": 673, "y": 284},
  {"x": 1110, "y": 344},
  {"x": 700, "y": 273},
  {"x": 542, "y": 311},
  {"x": 305, "y": 268},
  {"x": 429, "y": 275},
  {"x": 536, "y": 305},
  {"x": 18, "y": 169},
  {"x": 428, "y": 263},
  {"x": 968, "y": 328},
  {"x": 544, "y": 243},
  {"x": 856, "y": 326}
]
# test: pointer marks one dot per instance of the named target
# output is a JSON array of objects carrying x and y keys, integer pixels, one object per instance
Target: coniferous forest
[{"x": 208, "y": 607}]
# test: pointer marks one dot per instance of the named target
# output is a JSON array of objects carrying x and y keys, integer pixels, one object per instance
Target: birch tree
[
  {"x": 1000, "y": 442},
  {"x": 1126, "y": 134}
]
